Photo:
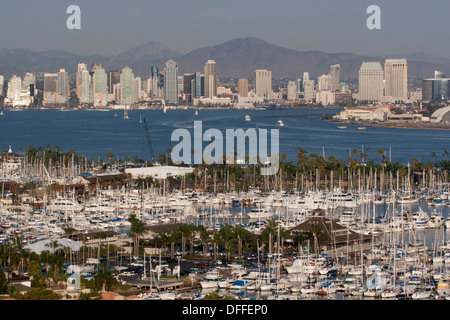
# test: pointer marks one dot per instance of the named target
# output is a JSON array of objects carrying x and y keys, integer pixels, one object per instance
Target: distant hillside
[{"x": 235, "y": 58}]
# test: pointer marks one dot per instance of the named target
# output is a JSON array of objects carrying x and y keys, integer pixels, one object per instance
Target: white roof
[{"x": 47, "y": 245}]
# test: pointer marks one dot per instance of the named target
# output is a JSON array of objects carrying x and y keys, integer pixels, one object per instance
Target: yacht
[
  {"x": 257, "y": 213},
  {"x": 211, "y": 280},
  {"x": 342, "y": 127},
  {"x": 280, "y": 123},
  {"x": 65, "y": 205},
  {"x": 248, "y": 118},
  {"x": 361, "y": 128}
]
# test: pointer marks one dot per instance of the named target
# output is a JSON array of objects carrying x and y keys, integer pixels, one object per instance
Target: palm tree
[
  {"x": 105, "y": 279},
  {"x": 137, "y": 229},
  {"x": 445, "y": 154},
  {"x": 226, "y": 236}
]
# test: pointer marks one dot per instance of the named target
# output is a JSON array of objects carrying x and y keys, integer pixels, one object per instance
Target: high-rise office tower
[
  {"x": 81, "y": 67},
  {"x": 100, "y": 87},
  {"x": 188, "y": 86},
  {"x": 62, "y": 86},
  {"x": 323, "y": 82},
  {"x": 126, "y": 86},
  {"x": 263, "y": 81},
  {"x": 243, "y": 87},
  {"x": 197, "y": 90},
  {"x": 370, "y": 82},
  {"x": 171, "y": 82},
  {"x": 85, "y": 87},
  {"x": 396, "y": 79},
  {"x": 437, "y": 88},
  {"x": 14, "y": 88},
  {"x": 114, "y": 78},
  {"x": 156, "y": 85},
  {"x": 137, "y": 88},
  {"x": 2, "y": 84},
  {"x": 308, "y": 90},
  {"x": 210, "y": 79},
  {"x": 50, "y": 88},
  {"x": 292, "y": 93},
  {"x": 335, "y": 77}
]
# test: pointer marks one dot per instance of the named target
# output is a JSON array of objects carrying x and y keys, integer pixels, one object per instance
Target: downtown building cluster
[{"x": 98, "y": 88}]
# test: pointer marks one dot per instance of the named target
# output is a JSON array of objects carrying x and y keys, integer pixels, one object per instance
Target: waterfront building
[
  {"x": 85, "y": 87},
  {"x": 396, "y": 79},
  {"x": 100, "y": 87},
  {"x": 292, "y": 93},
  {"x": 210, "y": 79},
  {"x": 325, "y": 97},
  {"x": 370, "y": 82},
  {"x": 62, "y": 86},
  {"x": 436, "y": 89},
  {"x": 335, "y": 77},
  {"x": 308, "y": 90},
  {"x": 126, "y": 86},
  {"x": 80, "y": 68},
  {"x": 50, "y": 84},
  {"x": 243, "y": 88},
  {"x": 197, "y": 88},
  {"x": 18, "y": 93},
  {"x": 188, "y": 86},
  {"x": 114, "y": 78},
  {"x": 171, "y": 82},
  {"x": 263, "y": 81}
]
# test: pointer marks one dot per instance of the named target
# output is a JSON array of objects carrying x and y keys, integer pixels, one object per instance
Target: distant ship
[
  {"x": 342, "y": 127},
  {"x": 280, "y": 123},
  {"x": 248, "y": 118},
  {"x": 361, "y": 128}
]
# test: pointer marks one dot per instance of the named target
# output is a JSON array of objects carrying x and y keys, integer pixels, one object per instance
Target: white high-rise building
[
  {"x": 2, "y": 81},
  {"x": 396, "y": 79},
  {"x": 263, "y": 83},
  {"x": 308, "y": 90},
  {"x": 81, "y": 67},
  {"x": 370, "y": 81},
  {"x": 292, "y": 93},
  {"x": 210, "y": 79},
  {"x": 85, "y": 87},
  {"x": 323, "y": 82},
  {"x": 14, "y": 89}
]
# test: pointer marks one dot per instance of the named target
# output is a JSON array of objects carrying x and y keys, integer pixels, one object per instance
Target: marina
[{"x": 356, "y": 231}]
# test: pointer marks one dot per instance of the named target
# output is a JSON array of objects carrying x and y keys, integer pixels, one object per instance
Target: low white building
[{"x": 158, "y": 172}]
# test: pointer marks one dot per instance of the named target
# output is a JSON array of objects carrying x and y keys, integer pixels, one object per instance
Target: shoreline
[{"x": 403, "y": 125}]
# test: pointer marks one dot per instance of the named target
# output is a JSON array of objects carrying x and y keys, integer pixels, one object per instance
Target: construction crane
[{"x": 149, "y": 142}]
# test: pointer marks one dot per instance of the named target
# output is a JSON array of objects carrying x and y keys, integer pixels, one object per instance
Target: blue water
[{"x": 95, "y": 133}]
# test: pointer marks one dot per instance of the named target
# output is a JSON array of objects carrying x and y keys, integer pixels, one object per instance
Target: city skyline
[{"x": 337, "y": 27}]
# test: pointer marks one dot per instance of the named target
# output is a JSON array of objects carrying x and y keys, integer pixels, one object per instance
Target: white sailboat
[
  {"x": 196, "y": 112},
  {"x": 125, "y": 114}
]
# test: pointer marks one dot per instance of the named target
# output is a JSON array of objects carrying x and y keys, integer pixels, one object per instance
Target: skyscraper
[
  {"x": 114, "y": 78},
  {"x": 437, "y": 88},
  {"x": 81, "y": 67},
  {"x": 243, "y": 88},
  {"x": 210, "y": 79},
  {"x": 263, "y": 80},
  {"x": 197, "y": 90},
  {"x": 324, "y": 82},
  {"x": 396, "y": 79},
  {"x": 370, "y": 82},
  {"x": 100, "y": 87},
  {"x": 2, "y": 81},
  {"x": 171, "y": 82},
  {"x": 308, "y": 90},
  {"x": 62, "y": 86},
  {"x": 292, "y": 93},
  {"x": 126, "y": 86},
  {"x": 335, "y": 77},
  {"x": 85, "y": 87}
]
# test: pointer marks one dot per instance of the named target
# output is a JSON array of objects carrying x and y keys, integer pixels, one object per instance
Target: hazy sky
[{"x": 111, "y": 26}]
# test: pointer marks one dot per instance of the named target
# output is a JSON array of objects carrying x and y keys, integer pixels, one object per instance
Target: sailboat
[
  {"x": 125, "y": 114},
  {"x": 140, "y": 118},
  {"x": 196, "y": 112}
]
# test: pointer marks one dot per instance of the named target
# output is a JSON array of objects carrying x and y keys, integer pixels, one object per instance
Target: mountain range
[{"x": 235, "y": 58}]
